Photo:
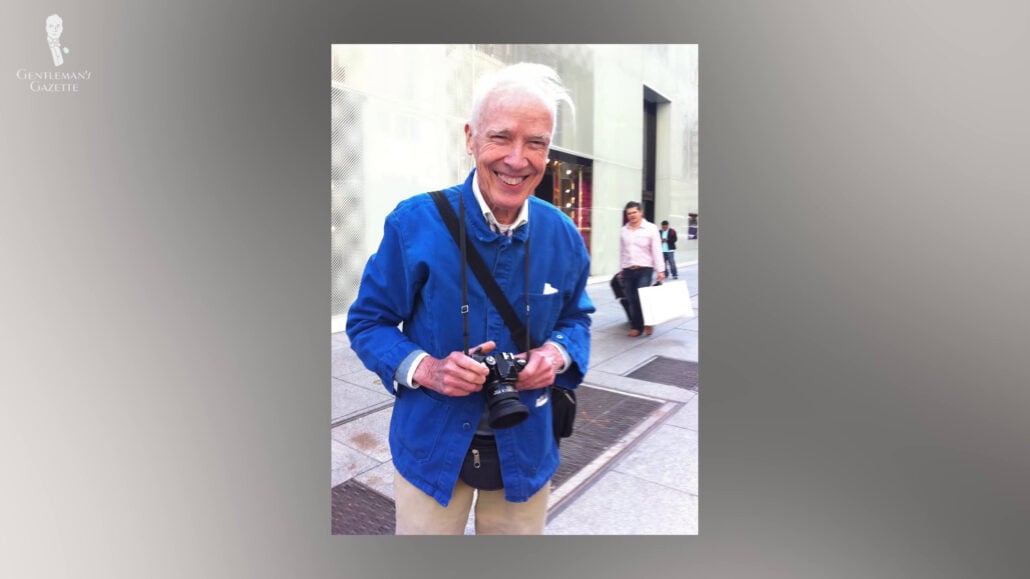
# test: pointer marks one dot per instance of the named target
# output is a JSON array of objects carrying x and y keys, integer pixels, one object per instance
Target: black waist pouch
[
  {"x": 563, "y": 411},
  {"x": 482, "y": 467}
]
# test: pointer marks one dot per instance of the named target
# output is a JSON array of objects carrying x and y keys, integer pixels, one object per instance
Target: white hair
[
  {"x": 538, "y": 80},
  {"x": 53, "y": 17}
]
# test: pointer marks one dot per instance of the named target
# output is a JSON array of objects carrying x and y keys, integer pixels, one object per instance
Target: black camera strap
[
  {"x": 471, "y": 257},
  {"x": 564, "y": 411}
]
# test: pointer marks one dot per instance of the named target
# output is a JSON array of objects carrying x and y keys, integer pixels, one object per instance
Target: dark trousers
[
  {"x": 670, "y": 263},
  {"x": 632, "y": 280}
]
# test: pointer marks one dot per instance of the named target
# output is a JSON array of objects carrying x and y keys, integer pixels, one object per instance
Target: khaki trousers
[{"x": 420, "y": 514}]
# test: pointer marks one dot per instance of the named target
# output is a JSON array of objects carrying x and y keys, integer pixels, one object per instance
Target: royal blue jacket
[{"x": 414, "y": 281}]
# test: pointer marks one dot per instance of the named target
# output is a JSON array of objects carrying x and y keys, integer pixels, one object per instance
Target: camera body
[{"x": 502, "y": 398}]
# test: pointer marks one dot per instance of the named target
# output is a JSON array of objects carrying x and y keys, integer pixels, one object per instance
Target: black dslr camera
[{"x": 502, "y": 399}]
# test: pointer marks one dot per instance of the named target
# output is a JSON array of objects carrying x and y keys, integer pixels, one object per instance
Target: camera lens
[
  {"x": 502, "y": 398},
  {"x": 503, "y": 403}
]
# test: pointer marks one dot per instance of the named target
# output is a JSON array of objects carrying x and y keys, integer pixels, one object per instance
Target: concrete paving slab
[
  {"x": 604, "y": 348},
  {"x": 621, "y": 504},
  {"x": 676, "y": 343},
  {"x": 691, "y": 325},
  {"x": 689, "y": 275},
  {"x": 667, "y": 456},
  {"x": 340, "y": 339},
  {"x": 368, "y": 434},
  {"x": 623, "y": 384},
  {"x": 348, "y": 399},
  {"x": 348, "y": 463},
  {"x": 344, "y": 362},
  {"x": 671, "y": 344},
  {"x": 609, "y": 323},
  {"x": 601, "y": 327},
  {"x": 365, "y": 379},
  {"x": 379, "y": 479},
  {"x": 686, "y": 416}
]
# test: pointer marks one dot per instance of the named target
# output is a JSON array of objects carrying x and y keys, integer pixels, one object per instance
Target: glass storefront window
[{"x": 567, "y": 185}]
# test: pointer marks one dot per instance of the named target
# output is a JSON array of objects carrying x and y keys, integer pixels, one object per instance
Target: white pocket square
[{"x": 549, "y": 289}]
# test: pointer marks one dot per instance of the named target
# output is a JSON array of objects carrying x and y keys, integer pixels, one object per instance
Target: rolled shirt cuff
[
  {"x": 566, "y": 359},
  {"x": 405, "y": 374}
]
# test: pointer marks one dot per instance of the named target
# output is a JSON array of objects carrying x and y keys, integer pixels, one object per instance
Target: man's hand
[
  {"x": 455, "y": 375},
  {"x": 661, "y": 275},
  {"x": 544, "y": 363}
]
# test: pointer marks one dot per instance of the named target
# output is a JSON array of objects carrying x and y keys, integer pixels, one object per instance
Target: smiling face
[{"x": 509, "y": 143}]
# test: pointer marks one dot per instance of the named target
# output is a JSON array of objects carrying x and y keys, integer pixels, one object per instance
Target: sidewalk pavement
[{"x": 642, "y": 482}]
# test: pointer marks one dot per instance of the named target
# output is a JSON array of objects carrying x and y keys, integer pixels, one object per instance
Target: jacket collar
[{"x": 476, "y": 221}]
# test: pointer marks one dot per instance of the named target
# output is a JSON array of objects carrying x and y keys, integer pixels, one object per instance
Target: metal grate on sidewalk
[
  {"x": 669, "y": 371},
  {"x": 602, "y": 419},
  {"x": 359, "y": 510}
]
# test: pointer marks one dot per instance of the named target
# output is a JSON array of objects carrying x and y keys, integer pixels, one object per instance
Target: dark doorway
[
  {"x": 650, "y": 144},
  {"x": 653, "y": 101}
]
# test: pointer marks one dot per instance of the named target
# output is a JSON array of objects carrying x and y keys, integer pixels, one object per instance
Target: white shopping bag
[{"x": 661, "y": 303}]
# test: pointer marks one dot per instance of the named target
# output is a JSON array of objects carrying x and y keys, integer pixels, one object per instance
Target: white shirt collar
[{"x": 521, "y": 220}]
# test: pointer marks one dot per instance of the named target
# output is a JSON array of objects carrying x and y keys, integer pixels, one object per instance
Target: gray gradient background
[{"x": 164, "y": 246}]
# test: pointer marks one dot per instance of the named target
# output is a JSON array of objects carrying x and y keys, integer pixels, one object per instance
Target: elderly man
[{"x": 441, "y": 425}]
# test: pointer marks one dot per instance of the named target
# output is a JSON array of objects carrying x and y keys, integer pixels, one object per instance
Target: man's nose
[{"x": 516, "y": 157}]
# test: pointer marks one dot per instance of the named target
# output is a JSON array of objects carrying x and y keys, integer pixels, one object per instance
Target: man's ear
[{"x": 468, "y": 138}]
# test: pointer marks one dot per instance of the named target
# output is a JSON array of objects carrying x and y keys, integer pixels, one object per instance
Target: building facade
[{"x": 397, "y": 119}]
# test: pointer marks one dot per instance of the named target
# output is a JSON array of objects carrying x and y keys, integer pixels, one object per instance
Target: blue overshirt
[{"x": 414, "y": 281}]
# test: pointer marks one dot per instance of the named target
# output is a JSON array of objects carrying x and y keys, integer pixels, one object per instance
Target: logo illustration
[
  {"x": 59, "y": 80},
  {"x": 54, "y": 28}
]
